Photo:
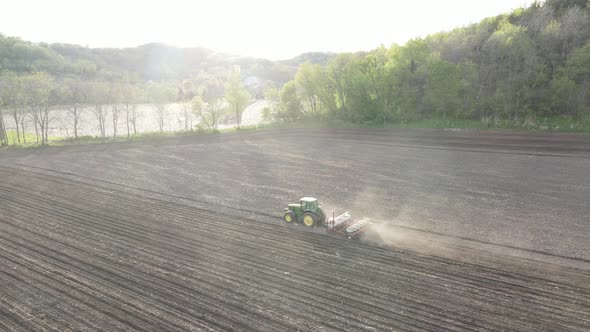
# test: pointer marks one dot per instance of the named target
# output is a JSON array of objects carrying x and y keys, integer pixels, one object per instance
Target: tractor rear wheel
[
  {"x": 309, "y": 219},
  {"x": 289, "y": 217}
]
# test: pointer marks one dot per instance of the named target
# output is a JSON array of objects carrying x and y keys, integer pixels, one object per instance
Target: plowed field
[{"x": 473, "y": 231}]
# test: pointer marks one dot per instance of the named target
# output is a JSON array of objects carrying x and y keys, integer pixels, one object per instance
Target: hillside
[
  {"x": 529, "y": 68},
  {"x": 157, "y": 62}
]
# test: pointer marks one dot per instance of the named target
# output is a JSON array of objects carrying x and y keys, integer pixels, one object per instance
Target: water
[{"x": 61, "y": 124}]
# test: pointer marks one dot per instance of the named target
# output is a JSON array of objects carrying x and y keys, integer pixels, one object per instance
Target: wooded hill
[
  {"x": 519, "y": 69},
  {"x": 156, "y": 62}
]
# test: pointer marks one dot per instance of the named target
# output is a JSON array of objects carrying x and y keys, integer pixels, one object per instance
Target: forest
[
  {"x": 529, "y": 68},
  {"x": 518, "y": 68}
]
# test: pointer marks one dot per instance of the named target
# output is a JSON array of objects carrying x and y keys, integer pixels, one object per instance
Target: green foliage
[
  {"x": 443, "y": 91},
  {"x": 208, "y": 113},
  {"x": 291, "y": 109},
  {"x": 150, "y": 62},
  {"x": 309, "y": 80},
  {"x": 508, "y": 70},
  {"x": 159, "y": 93},
  {"x": 236, "y": 95},
  {"x": 13, "y": 139}
]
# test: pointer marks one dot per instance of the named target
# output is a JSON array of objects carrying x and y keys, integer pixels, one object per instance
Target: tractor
[{"x": 310, "y": 213}]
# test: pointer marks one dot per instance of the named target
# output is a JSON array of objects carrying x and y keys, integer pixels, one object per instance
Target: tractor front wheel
[
  {"x": 309, "y": 219},
  {"x": 289, "y": 217}
]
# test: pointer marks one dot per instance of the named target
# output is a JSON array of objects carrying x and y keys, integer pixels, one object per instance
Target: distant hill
[
  {"x": 157, "y": 62},
  {"x": 320, "y": 58}
]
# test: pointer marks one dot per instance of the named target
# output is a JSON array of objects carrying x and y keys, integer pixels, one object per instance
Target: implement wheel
[
  {"x": 309, "y": 219},
  {"x": 289, "y": 217}
]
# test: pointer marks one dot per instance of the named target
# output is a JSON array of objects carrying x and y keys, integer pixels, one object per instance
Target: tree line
[
  {"x": 529, "y": 64},
  {"x": 149, "y": 62},
  {"x": 36, "y": 96}
]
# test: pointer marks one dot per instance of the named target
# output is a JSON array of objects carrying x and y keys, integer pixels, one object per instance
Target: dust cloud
[
  {"x": 395, "y": 237},
  {"x": 393, "y": 227}
]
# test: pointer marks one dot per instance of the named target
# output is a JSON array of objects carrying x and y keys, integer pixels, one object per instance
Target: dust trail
[
  {"x": 381, "y": 234},
  {"x": 390, "y": 232}
]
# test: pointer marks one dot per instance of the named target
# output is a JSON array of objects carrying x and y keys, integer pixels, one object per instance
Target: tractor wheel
[
  {"x": 309, "y": 219},
  {"x": 289, "y": 217}
]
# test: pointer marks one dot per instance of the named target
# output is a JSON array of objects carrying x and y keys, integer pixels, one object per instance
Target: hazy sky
[{"x": 265, "y": 28}]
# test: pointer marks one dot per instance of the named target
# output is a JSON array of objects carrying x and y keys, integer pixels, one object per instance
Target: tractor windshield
[{"x": 310, "y": 205}]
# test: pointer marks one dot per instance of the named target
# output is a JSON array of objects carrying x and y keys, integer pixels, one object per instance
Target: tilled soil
[{"x": 474, "y": 231}]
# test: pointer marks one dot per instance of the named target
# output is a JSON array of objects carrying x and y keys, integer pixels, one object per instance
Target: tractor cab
[
  {"x": 307, "y": 211},
  {"x": 309, "y": 204}
]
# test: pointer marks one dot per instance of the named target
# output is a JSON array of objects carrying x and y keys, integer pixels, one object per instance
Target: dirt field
[{"x": 474, "y": 231}]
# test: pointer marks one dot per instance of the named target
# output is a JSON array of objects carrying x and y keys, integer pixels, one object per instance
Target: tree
[
  {"x": 130, "y": 96},
  {"x": 133, "y": 115},
  {"x": 14, "y": 100},
  {"x": 377, "y": 69},
  {"x": 563, "y": 34},
  {"x": 76, "y": 95},
  {"x": 236, "y": 96},
  {"x": 273, "y": 96},
  {"x": 290, "y": 107},
  {"x": 160, "y": 96},
  {"x": 562, "y": 95},
  {"x": 198, "y": 108},
  {"x": 214, "y": 106},
  {"x": 512, "y": 61},
  {"x": 99, "y": 97},
  {"x": 340, "y": 79},
  {"x": 409, "y": 67},
  {"x": 309, "y": 80},
  {"x": 560, "y": 6},
  {"x": 207, "y": 113},
  {"x": 40, "y": 91},
  {"x": 114, "y": 98},
  {"x": 444, "y": 88},
  {"x": 188, "y": 120},
  {"x": 577, "y": 71}
]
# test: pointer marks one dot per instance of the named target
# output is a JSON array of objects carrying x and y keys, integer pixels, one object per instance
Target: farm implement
[{"x": 309, "y": 213}]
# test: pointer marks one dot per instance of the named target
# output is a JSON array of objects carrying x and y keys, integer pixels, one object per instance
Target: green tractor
[{"x": 308, "y": 211}]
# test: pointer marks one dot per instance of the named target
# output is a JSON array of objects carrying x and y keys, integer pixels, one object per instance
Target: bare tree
[
  {"x": 133, "y": 115},
  {"x": 74, "y": 113},
  {"x": 160, "y": 96},
  {"x": 76, "y": 96},
  {"x": 40, "y": 98},
  {"x": 98, "y": 96},
  {"x": 115, "y": 117},
  {"x": 36, "y": 127},
  {"x": 161, "y": 111},
  {"x": 130, "y": 97},
  {"x": 12, "y": 95},
  {"x": 101, "y": 116},
  {"x": 114, "y": 100}
]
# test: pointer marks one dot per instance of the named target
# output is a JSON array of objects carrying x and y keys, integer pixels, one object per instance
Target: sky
[{"x": 262, "y": 28}]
